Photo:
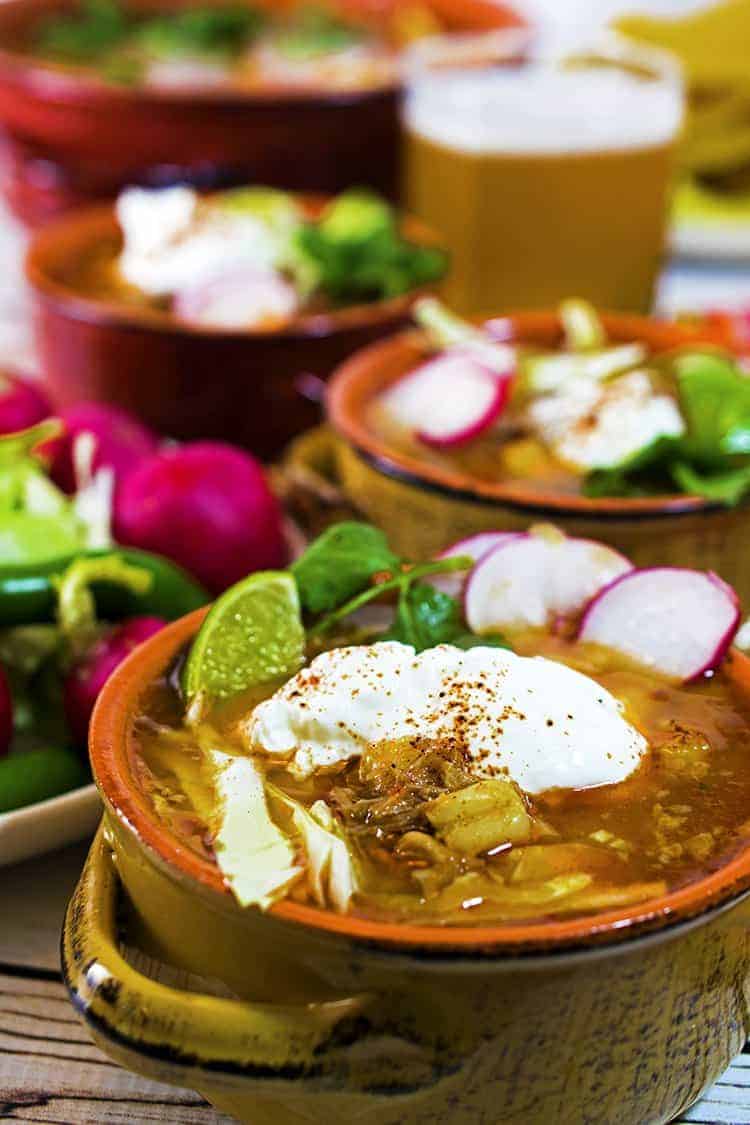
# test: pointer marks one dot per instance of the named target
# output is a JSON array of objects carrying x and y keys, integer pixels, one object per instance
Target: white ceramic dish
[
  {"x": 709, "y": 241},
  {"x": 50, "y": 824}
]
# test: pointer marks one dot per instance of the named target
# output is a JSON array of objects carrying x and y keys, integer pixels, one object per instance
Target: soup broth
[{"x": 419, "y": 829}]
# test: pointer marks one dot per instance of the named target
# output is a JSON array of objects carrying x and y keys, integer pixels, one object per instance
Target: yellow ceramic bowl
[
  {"x": 617, "y": 1020},
  {"x": 423, "y": 506}
]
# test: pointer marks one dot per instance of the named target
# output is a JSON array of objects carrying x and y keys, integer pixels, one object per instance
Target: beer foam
[{"x": 544, "y": 109}]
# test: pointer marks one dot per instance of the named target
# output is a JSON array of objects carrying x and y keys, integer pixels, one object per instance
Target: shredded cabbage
[
  {"x": 253, "y": 854},
  {"x": 331, "y": 868}
]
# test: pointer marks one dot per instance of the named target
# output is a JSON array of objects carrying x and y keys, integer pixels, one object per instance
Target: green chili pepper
[
  {"x": 27, "y": 594},
  {"x": 38, "y": 522},
  {"x": 76, "y": 604},
  {"x": 24, "y": 536},
  {"x": 37, "y": 775},
  {"x": 22, "y": 444}
]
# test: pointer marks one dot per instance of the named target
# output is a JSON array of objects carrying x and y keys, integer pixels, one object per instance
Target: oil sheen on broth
[{"x": 680, "y": 815}]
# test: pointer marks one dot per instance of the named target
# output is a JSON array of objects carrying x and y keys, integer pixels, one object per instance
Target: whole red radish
[
  {"x": 6, "y": 714},
  {"x": 122, "y": 442},
  {"x": 83, "y": 684},
  {"x": 22, "y": 404},
  {"x": 206, "y": 506}
]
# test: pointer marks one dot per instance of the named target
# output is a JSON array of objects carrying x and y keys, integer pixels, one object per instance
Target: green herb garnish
[
  {"x": 426, "y": 617},
  {"x": 340, "y": 563},
  {"x": 399, "y": 582},
  {"x": 712, "y": 459},
  {"x": 359, "y": 253},
  {"x": 314, "y": 32},
  {"x": 103, "y": 32},
  {"x": 97, "y": 27},
  {"x": 220, "y": 31}
]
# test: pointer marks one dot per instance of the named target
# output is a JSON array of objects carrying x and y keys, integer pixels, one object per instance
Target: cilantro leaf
[
  {"x": 427, "y": 617},
  {"x": 96, "y": 27},
  {"x": 341, "y": 562},
  {"x": 642, "y": 474},
  {"x": 727, "y": 487},
  {"x": 221, "y": 31},
  {"x": 712, "y": 459},
  {"x": 715, "y": 400},
  {"x": 358, "y": 252},
  {"x": 474, "y": 640},
  {"x": 316, "y": 31}
]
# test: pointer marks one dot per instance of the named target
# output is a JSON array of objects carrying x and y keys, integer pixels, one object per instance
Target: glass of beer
[{"x": 547, "y": 174}]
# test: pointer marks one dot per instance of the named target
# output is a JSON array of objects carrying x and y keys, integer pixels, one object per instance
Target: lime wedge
[{"x": 253, "y": 634}]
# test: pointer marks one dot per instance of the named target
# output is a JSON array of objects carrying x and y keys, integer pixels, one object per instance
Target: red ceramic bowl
[
  {"x": 189, "y": 382},
  {"x": 71, "y": 137}
]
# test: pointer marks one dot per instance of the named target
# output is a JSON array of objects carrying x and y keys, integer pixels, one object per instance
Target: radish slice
[
  {"x": 476, "y": 547},
  {"x": 680, "y": 622},
  {"x": 536, "y": 577},
  {"x": 501, "y": 329},
  {"x": 243, "y": 298},
  {"x": 449, "y": 400}
]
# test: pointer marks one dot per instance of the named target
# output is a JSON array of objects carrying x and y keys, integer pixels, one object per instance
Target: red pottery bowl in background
[
  {"x": 71, "y": 137},
  {"x": 183, "y": 380}
]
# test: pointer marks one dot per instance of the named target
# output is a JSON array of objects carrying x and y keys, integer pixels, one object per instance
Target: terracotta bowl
[
  {"x": 423, "y": 506},
  {"x": 71, "y": 137},
  {"x": 621, "y": 1018},
  {"x": 188, "y": 381}
]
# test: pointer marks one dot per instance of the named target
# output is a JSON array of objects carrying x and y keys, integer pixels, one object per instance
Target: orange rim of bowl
[
  {"x": 110, "y": 741},
  {"x": 76, "y": 234},
  {"x": 70, "y": 83},
  {"x": 357, "y": 381}
]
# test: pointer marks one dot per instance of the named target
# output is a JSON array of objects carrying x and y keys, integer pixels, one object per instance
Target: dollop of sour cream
[
  {"x": 593, "y": 426},
  {"x": 539, "y": 722},
  {"x": 173, "y": 239}
]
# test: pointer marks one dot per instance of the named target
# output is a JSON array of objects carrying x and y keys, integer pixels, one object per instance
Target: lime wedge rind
[{"x": 253, "y": 634}]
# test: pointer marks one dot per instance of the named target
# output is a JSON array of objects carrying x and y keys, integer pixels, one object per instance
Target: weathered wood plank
[
  {"x": 50, "y": 1071},
  {"x": 33, "y": 897}
]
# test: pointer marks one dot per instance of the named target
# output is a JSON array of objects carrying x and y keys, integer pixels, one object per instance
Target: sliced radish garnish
[
  {"x": 475, "y": 547},
  {"x": 680, "y": 622},
  {"x": 500, "y": 328},
  {"x": 449, "y": 400},
  {"x": 536, "y": 577},
  {"x": 240, "y": 298}
]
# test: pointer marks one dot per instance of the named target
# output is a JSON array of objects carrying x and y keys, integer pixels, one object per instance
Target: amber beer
[{"x": 547, "y": 178}]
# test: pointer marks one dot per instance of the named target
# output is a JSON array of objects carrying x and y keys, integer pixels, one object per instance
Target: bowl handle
[{"x": 165, "y": 1032}]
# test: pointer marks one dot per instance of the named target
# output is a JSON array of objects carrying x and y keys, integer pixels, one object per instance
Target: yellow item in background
[
  {"x": 712, "y": 43},
  {"x": 713, "y": 46}
]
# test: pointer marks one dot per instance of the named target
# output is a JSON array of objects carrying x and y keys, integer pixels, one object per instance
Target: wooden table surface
[{"x": 50, "y": 1071}]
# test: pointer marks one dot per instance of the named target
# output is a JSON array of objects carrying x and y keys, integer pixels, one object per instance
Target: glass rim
[{"x": 455, "y": 53}]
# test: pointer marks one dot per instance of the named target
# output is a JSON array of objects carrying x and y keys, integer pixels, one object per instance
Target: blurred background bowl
[
  {"x": 257, "y": 389},
  {"x": 422, "y": 505},
  {"x": 71, "y": 137}
]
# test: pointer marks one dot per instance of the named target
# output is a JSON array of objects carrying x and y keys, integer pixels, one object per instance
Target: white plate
[
  {"x": 48, "y": 824},
  {"x": 728, "y": 241}
]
